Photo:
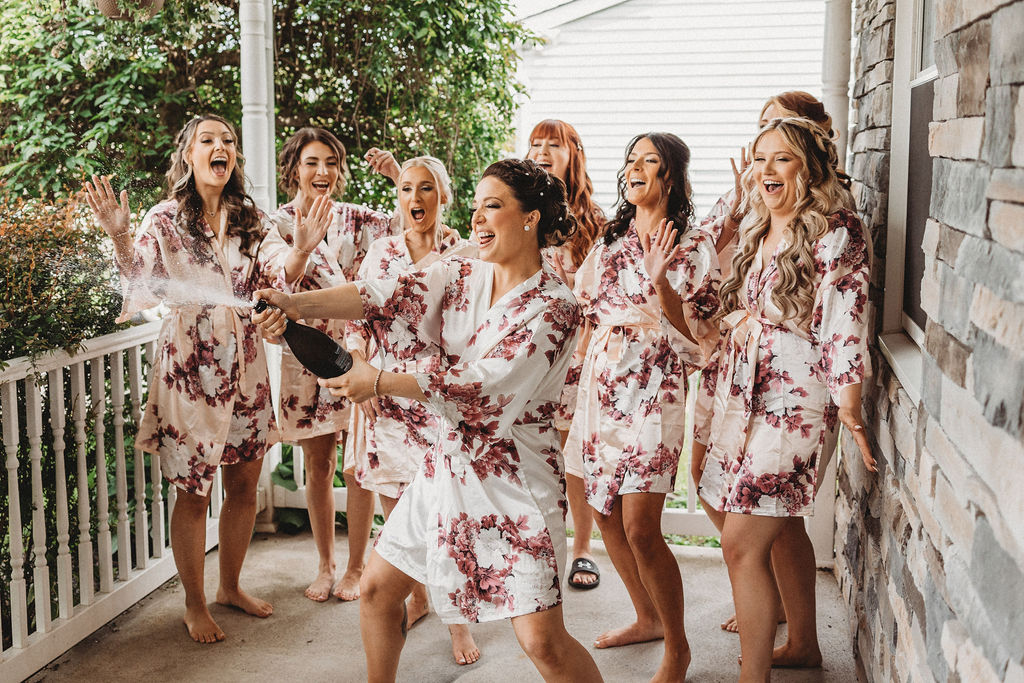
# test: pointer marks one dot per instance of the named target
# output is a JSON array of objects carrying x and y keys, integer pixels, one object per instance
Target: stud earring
[{"x": 526, "y": 227}]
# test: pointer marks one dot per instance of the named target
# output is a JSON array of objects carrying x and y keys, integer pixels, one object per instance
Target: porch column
[
  {"x": 835, "y": 70},
  {"x": 835, "y": 77},
  {"x": 257, "y": 71}
]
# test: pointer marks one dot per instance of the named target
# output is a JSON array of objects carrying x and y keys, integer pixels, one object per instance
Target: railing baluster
[
  {"x": 299, "y": 465},
  {"x": 40, "y": 568},
  {"x": 65, "y": 589},
  {"x": 78, "y": 399},
  {"x": 216, "y": 494},
  {"x": 124, "y": 539},
  {"x": 691, "y": 407},
  {"x": 141, "y": 521},
  {"x": 19, "y": 594},
  {"x": 103, "y": 540},
  {"x": 158, "y": 534}
]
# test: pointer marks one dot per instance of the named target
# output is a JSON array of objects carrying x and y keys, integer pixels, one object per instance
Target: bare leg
[
  {"x": 746, "y": 545},
  {"x": 793, "y": 560},
  {"x": 583, "y": 525},
  {"x": 321, "y": 456},
  {"x": 359, "y": 512},
  {"x": 718, "y": 519},
  {"x": 382, "y": 617},
  {"x": 659, "y": 572},
  {"x": 648, "y": 624},
  {"x": 188, "y": 542},
  {"x": 237, "y": 517},
  {"x": 556, "y": 654},
  {"x": 418, "y": 605}
]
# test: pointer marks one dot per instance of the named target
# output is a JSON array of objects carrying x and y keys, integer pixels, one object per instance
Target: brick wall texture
[{"x": 930, "y": 553}]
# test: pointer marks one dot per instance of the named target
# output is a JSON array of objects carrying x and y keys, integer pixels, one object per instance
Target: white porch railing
[{"x": 60, "y": 414}]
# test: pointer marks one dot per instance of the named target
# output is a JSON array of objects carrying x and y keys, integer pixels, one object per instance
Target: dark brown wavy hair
[
  {"x": 674, "y": 172},
  {"x": 579, "y": 188},
  {"x": 537, "y": 190},
  {"x": 291, "y": 154},
  {"x": 243, "y": 219}
]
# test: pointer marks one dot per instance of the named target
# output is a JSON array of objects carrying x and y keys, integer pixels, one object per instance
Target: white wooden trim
[{"x": 905, "y": 359}]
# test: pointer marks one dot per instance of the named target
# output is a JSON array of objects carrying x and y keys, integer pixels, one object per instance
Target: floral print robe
[
  {"x": 483, "y": 523},
  {"x": 630, "y": 407},
  {"x": 778, "y": 386},
  {"x": 387, "y": 453},
  {"x": 563, "y": 418},
  {"x": 307, "y": 409},
  {"x": 209, "y": 391}
]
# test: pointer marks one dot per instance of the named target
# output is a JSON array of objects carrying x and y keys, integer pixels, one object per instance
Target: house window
[{"x": 910, "y": 181}]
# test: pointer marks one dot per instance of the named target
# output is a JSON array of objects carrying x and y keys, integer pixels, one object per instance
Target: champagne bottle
[{"x": 317, "y": 352}]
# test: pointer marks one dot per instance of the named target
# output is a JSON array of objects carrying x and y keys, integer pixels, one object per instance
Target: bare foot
[
  {"x": 201, "y": 626},
  {"x": 673, "y": 669},
  {"x": 320, "y": 589},
  {"x": 789, "y": 657},
  {"x": 464, "y": 649},
  {"x": 628, "y": 635},
  {"x": 348, "y": 588},
  {"x": 418, "y": 607},
  {"x": 245, "y": 602},
  {"x": 732, "y": 626}
]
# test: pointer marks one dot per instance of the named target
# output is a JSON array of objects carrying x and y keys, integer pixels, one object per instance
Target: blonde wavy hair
[
  {"x": 819, "y": 193},
  {"x": 442, "y": 182}
]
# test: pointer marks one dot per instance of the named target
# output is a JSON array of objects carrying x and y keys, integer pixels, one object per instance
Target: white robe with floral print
[
  {"x": 209, "y": 390},
  {"x": 483, "y": 523},
  {"x": 629, "y": 419},
  {"x": 307, "y": 409},
  {"x": 386, "y": 454},
  {"x": 774, "y": 415}
]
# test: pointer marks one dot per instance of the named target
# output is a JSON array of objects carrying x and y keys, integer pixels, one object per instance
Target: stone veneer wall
[{"x": 930, "y": 555}]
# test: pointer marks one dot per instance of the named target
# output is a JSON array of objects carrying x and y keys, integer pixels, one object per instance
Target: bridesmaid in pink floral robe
[
  {"x": 202, "y": 253},
  {"x": 483, "y": 524},
  {"x": 648, "y": 298},
  {"x": 791, "y": 360},
  {"x": 311, "y": 166}
]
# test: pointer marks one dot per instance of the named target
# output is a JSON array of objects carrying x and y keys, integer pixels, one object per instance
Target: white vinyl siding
[{"x": 701, "y": 70}]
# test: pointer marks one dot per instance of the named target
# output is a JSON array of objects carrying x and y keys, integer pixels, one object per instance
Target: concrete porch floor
[{"x": 309, "y": 642}]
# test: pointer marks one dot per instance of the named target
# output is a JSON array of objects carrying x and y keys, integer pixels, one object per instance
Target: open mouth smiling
[
  {"x": 321, "y": 186},
  {"x": 219, "y": 166},
  {"x": 417, "y": 214},
  {"x": 484, "y": 237},
  {"x": 772, "y": 186}
]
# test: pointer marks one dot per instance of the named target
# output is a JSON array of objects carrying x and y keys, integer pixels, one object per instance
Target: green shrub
[{"x": 57, "y": 282}]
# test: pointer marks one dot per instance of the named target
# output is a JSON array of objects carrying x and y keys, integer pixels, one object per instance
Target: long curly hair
[
  {"x": 291, "y": 154},
  {"x": 243, "y": 218},
  {"x": 579, "y": 189},
  {"x": 674, "y": 172},
  {"x": 537, "y": 190},
  {"x": 800, "y": 104},
  {"x": 819, "y": 193}
]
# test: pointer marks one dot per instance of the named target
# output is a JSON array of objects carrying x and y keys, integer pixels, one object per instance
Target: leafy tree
[{"x": 81, "y": 94}]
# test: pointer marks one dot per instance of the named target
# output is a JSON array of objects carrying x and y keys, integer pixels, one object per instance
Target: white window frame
[{"x": 902, "y": 340}]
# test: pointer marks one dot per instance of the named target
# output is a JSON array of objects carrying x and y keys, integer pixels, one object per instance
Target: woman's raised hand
[
  {"x": 659, "y": 250},
  {"x": 737, "y": 177},
  {"x": 383, "y": 162},
  {"x": 310, "y": 230},
  {"x": 356, "y": 384},
  {"x": 113, "y": 216}
]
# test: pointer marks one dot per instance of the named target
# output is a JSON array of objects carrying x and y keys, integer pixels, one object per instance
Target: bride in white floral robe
[{"x": 491, "y": 491}]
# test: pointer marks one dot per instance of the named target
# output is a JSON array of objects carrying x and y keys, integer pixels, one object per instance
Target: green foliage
[
  {"x": 81, "y": 94},
  {"x": 57, "y": 287}
]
